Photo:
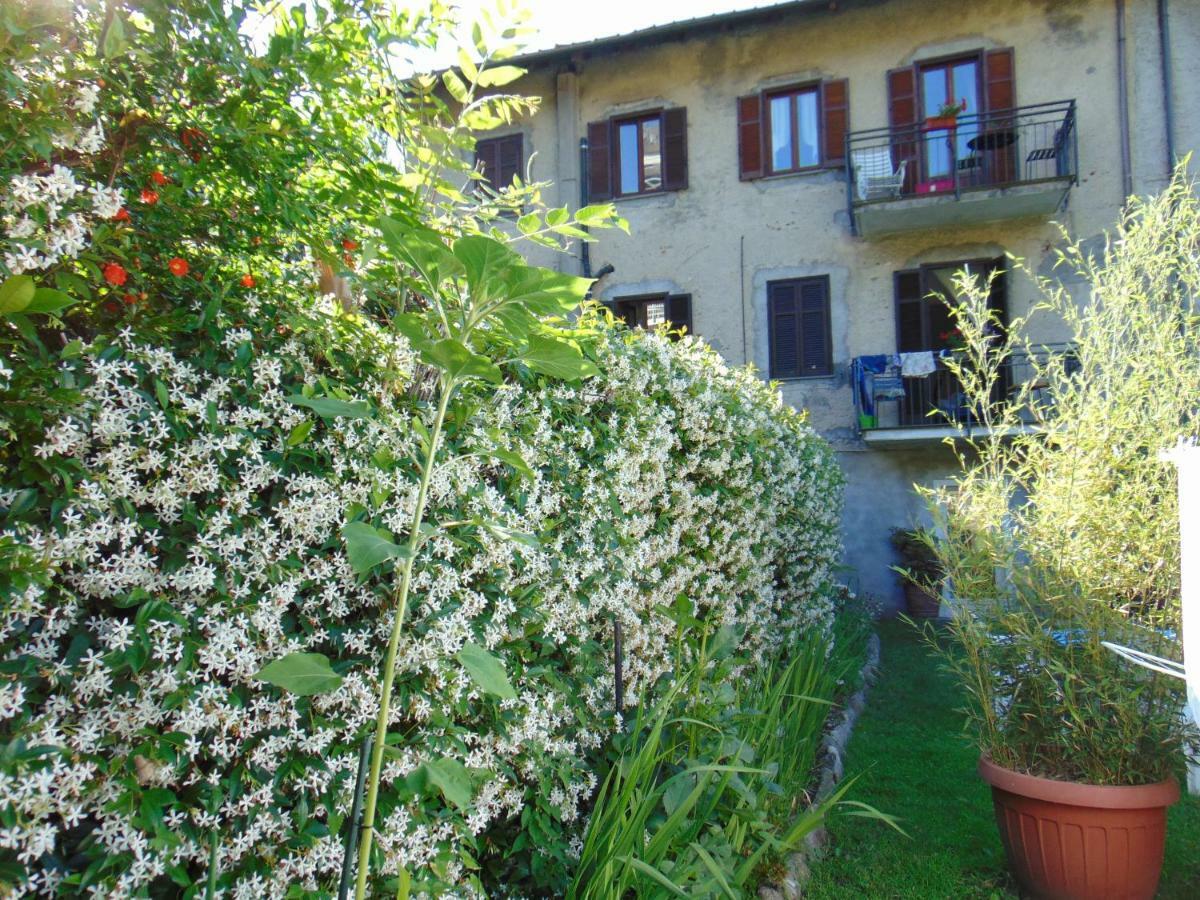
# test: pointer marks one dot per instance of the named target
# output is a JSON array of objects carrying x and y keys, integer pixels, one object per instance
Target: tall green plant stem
[{"x": 389, "y": 662}]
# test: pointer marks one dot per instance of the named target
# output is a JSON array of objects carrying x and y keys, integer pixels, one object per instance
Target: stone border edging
[{"x": 830, "y": 771}]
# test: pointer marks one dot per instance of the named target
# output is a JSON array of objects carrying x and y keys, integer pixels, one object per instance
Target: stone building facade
[{"x": 757, "y": 156}]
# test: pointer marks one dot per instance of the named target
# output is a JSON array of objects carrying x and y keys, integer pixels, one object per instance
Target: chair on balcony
[{"x": 874, "y": 174}]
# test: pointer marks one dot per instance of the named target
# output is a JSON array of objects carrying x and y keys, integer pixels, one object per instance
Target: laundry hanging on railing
[{"x": 918, "y": 364}]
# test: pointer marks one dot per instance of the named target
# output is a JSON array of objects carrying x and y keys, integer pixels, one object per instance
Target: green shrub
[
  {"x": 171, "y": 523},
  {"x": 1062, "y": 531}
]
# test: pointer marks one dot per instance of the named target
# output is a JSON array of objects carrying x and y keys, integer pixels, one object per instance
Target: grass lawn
[{"x": 913, "y": 762}]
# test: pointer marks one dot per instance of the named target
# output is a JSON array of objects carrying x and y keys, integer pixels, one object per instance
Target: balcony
[
  {"x": 896, "y": 410},
  {"x": 1013, "y": 164}
]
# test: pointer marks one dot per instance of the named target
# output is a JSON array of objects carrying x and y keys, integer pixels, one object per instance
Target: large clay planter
[
  {"x": 1070, "y": 841},
  {"x": 921, "y": 604}
]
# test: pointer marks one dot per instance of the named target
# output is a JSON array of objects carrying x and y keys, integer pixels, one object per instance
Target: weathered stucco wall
[{"x": 722, "y": 240}]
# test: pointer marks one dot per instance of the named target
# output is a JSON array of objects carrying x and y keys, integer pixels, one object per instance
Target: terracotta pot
[
  {"x": 921, "y": 604},
  {"x": 1071, "y": 841},
  {"x": 939, "y": 123}
]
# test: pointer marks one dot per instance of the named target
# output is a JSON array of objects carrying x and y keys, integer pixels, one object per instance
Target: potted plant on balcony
[
  {"x": 919, "y": 570},
  {"x": 947, "y": 116},
  {"x": 1061, "y": 547}
]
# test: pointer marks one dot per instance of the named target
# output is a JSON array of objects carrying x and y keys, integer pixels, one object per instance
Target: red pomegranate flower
[
  {"x": 115, "y": 274},
  {"x": 149, "y": 196},
  {"x": 348, "y": 244},
  {"x": 178, "y": 266},
  {"x": 159, "y": 178},
  {"x": 130, "y": 299},
  {"x": 121, "y": 215},
  {"x": 247, "y": 280}
]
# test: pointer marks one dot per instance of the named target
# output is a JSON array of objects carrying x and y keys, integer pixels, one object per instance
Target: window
[
  {"x": 653, "y": 310},
  {"x": 944, "y": 82},
  {"x": 793, "y": 129},
  {"x": 798, "y": 321},
  {"x": 639, "y": 155},
  {"x": 792, "y": 124},
  {"x": 923, "y": 298},
  {"x": 500, "y": 159},
  {"x": 634, "y": 155}
]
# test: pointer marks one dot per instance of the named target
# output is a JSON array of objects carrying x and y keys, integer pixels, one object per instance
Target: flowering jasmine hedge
[{"x": 171, "y": 523}]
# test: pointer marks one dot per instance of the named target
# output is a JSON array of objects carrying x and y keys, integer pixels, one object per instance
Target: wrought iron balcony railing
[
  {"x": 886, "y": 398},
  {"x": 956, "y": 157}
]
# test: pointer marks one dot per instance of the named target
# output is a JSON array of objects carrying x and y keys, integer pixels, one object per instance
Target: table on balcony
[{"x": 988, "y": 145}]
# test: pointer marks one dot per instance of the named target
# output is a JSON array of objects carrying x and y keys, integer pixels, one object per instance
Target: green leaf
[
  {"x": 459, "y": 362},
  {"x": 486, "y": 671},
  {"x": 328, "y": 408},
  {"x": 16, "y": 293},
  {"x": 303, "y": 674},
  {"x": 422, "y": 248},
  {"x": 48, "y": 300},
  {"x": 412, "y": 326},
  {"x": 297, "y": 435},
  {"x": 114, "y": 38},
  {"x": 455, "y": 86},
  {"x": 367, "y": 547},
  {"x": 557, "y": 359},
  {"x": 512, "y": 458},
  {"x": 487, "y": 263},
  {"x": 499, "y": 75},
  {"x": 161, "y": 393},
  {"x": 452, "y": 779},
  {"x": 511, "y": 534}
]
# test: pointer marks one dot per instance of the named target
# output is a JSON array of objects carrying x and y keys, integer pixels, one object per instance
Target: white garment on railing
[{"x": 917, "y": 365}]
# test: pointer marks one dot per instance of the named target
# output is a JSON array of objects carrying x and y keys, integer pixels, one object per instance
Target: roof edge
[{"x": 672, "y": 31}]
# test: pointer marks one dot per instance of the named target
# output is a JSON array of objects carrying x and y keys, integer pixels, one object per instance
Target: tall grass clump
[{"x": 712, "y": 782}]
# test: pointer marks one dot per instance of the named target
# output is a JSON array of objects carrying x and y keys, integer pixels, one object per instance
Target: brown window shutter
[
  {"x": 835, "y": 120},
  {"x": 486, "y": 159},
  {"x": 750, "y": 137},
  {"x": 509, "y": 156},
  {"x": 783, "y": 320},
  {"x": 1000, "y": 94},
  {"x": 599, "y": 174},
  {"x": 674, "y": 141},
  {"x": 679, "y": 311},
  {"x": 902, "y": 116},
  {"x": 999, "y": 82},
  {"x": 815, "y": 340}
]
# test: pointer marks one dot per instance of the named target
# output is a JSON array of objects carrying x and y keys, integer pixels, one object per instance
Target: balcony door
[
  {"x": 941, "y": 83},
  {"x": 923, "y": 322}
]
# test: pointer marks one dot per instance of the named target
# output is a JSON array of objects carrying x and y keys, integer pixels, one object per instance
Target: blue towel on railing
[{"x": 864, "y": 370}]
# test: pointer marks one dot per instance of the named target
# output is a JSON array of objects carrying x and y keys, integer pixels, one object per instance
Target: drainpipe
[
  {"x": 1164, "y": 40},
  {"x": 1123, "y": 106},
  {"x": 585, "y": 252}
]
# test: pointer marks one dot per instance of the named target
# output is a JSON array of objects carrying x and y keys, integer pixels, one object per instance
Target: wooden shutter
[
  {"x": 910, "y": 313},
  {"x": 679, "y": 311},
  {"x": 902, "y": 119},
  {"x": 835, "y": 120},
  {"x": 600, "y": 166},
  {"x": 784, "y": 325},
  {"x": 750, "y": 137},
  {"x": 509, "y": 156},
  {"x": 815, "y": 355},
  {"x": 998, "y": 79},
  {"x": 674, "y": 144},
  {"x": 1000, "y": 95},
  {"x": 487, "y": 159}
]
